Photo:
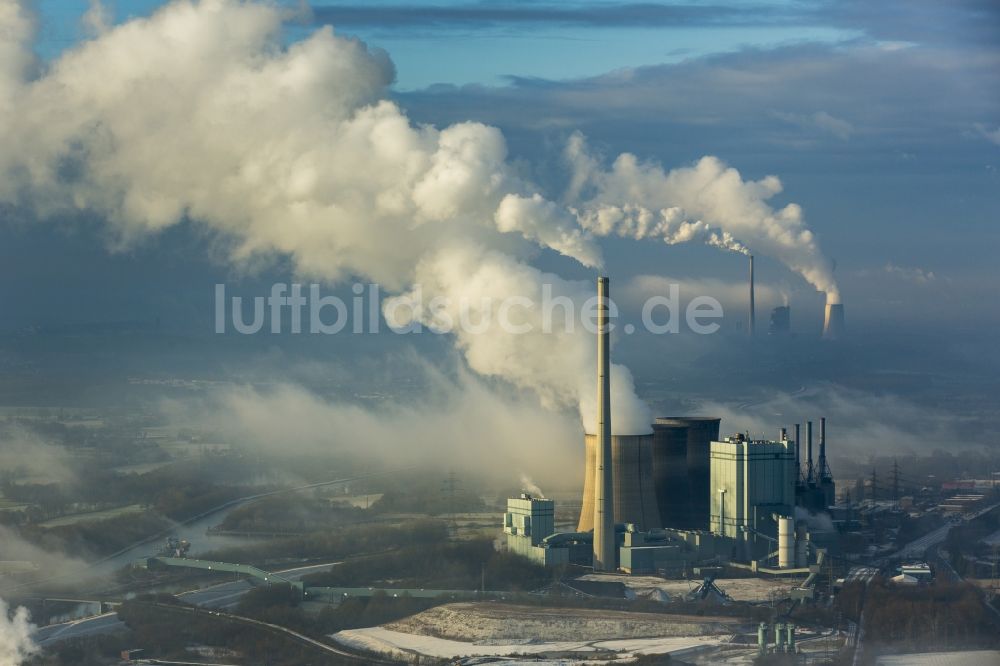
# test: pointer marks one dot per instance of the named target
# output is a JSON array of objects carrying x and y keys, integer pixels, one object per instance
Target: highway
[{"x": 219, "y": 596}]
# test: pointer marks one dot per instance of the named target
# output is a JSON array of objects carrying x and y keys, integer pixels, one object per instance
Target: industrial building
[
  {"x": 753, "y": 484},
  {"x": 528, "y": 521},
  {"x": 781, "y": 321},
  {"x": 677, "y": 496}
]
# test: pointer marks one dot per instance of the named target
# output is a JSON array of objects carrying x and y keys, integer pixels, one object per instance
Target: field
[
  {"x": 407, "y": 646},
  {"x": 493, "y": 621},
  {"x": 551, "y": 635}
]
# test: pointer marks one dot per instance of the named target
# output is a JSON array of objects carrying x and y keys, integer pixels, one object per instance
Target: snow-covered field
[
  {"x": 406, "y": 646},
  {"x": 478, "y": 621}
]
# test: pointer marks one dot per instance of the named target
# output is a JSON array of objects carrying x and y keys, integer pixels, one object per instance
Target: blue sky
[{"x": 484, "y": 43}]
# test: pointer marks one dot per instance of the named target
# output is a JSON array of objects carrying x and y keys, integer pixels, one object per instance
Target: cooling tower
[
  {"x": 670, "y": 472},
  {"x": 683, "y": 481},
  {"x": 833, "y": 323},
  {"x": 633, "y": 488},
  {"x": 603, "y": 495}
]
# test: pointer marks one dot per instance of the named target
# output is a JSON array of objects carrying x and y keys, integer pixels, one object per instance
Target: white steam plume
[
  {"x": 200, "y": 113},
  {"x": 459, "y": 421},
  {"x": 17, "y": 30},
  {"x": 530, "y": 487},
  {"x": 16, "y": 644},
  {"x": 553, "y": 355},
  {"x": 707, "y": 202}
]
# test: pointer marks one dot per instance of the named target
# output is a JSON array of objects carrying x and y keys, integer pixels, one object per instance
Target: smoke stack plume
[
  {"x": 833, "y": 322},
  {"x": 753, "y": 306},
  {"x": 604, "y": 521}
]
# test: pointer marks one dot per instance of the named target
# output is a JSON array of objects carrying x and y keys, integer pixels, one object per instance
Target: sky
[
  {"x": 883, "y": 123},
  {"x": 881, "y": 120}
]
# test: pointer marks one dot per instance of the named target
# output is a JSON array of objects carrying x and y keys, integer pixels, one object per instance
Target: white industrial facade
[
  {"x": 751, "y": 482},
  {"x": 526, "y": 523}
]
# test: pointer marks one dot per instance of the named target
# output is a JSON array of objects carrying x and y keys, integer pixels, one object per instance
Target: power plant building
[
  {"x": 753, "y": 483},
  {"x": 781, "y": 321},
  {"x": 526, "y": 524}
]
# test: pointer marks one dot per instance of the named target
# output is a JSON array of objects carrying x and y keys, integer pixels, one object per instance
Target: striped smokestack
[{"x": 604, "y": 514}]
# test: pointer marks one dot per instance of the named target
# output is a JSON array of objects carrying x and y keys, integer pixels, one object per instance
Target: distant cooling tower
[
  {"x": 681, "y": 468},
  {"x": 833, "y": 323},
  {"x": 633, "y": 489}
]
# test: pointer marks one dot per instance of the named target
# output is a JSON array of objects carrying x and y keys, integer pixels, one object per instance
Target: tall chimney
[
  {"x": 604, "y": 513},
  {"x": 753, "y": 307},
  {"x": 809, "y": 440},
  {"x": 822, "y": 447},
  {"x": 833, "y": 321},
  {"x": 798, "y": 456}
]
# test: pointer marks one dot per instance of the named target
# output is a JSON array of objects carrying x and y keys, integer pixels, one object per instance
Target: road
[
  {"x": 219, "y": 596},
  {"x": 918, "y": 547}
]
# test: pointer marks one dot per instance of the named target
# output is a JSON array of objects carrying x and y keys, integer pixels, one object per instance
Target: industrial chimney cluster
[
  {"x": 780, "y": 324},
  {"x": 668, "y": 478}
]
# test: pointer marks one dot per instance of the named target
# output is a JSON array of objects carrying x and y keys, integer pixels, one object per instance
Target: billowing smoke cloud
[
  {"x": 46, "y": 557},
  {"x": 459, "y": 422},
  {"x": 17, "y": 29},
  {"x": 529, "y": 486},
  {"x": 27, "y": 454},
  {"x": 543, "y": 350},
  {"x": 200, "y": 113},
  {"x": 16, "y": 644},
  {"x": 707, "y": 202}
]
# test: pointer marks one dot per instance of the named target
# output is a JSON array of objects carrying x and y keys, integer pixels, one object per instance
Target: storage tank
[
  {"x": 786, "y": 543},
  {"x": 633, "y": 492},
  {"x": 688, "y": 507}
]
